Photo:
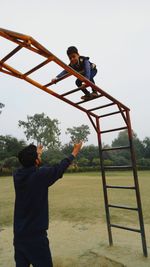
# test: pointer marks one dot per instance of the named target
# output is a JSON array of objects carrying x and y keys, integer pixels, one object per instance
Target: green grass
[{"x": 79, "y": 197}]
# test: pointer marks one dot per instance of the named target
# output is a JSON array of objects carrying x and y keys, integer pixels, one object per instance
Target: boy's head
[
  {"x": 28, "y": 156},
  {"x": 73, "y": 54}
]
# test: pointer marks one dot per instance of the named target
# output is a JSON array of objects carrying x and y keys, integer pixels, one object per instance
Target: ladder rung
[
  {"x": 117, "y": 167},
  {"x": 110, "y": 114},
  {"x": 73, "y": 91},
  {"x": 58, "y": 80},
  {"x": 104, "y": 106},
  {"x": 115, "y": 148},
  {"x": 125, "y": 228},
  {"x": 39, "y": 66},
  {"x": 122, "y": 207},
  {"x": 120, "y": 187},
  {"x": 112, "y": 130},
  {"x": 93, "y": 98},
  {"x": 11, "y": 53}
]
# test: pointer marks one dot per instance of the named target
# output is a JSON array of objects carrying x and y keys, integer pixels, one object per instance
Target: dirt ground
[{"x": 85, "y": 245}]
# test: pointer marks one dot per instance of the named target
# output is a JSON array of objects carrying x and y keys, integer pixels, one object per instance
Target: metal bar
[
  {"x": 123, "y": 115},
  {"x": 104, "y": 106},
  {"x": 112, "y": 130},
  {"x": 122, "y": 207},
  {"x": 92, "y": 122},
  {"x": 104, "y": 182},
  {"x": 31, "y": 81},
  {"x": 72, "y": 91},
  {"x": 42, "y": 50},
  {"x": 116, "y": 148},
  {"x": 118, "y": 167},
  {"x": 109, "y": 114},
  {"x": 125, "y": 228},
  {"x": 12, "y": 71},
  {"x": 26, "y": 43},
  {"x": 58, "y": 80},
  {"x": 9, "y": 73},
  {"x": 120, "y": 187},
  {"x": 39, "y": 66},
  {"x": 11, "y": 53},
  {"x": 138, "y": 198},
  {"x": 14, "y": 34},
  {"x": 93, "y": 98}
]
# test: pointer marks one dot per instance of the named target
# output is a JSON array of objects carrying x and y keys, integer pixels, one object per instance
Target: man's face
[{"x": 74, "y": 57}]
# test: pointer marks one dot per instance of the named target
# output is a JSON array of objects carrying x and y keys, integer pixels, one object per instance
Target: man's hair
[
  {"x": 28, "y": 156},
  {"x": 71, "y": 50}
]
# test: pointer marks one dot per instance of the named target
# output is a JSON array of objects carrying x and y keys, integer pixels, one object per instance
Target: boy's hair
[
  {"x": 28, "y": 156},
  {"x": 71, "y": 50}
]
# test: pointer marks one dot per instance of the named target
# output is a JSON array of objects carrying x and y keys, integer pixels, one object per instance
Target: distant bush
[{"x": 6, "y": 171}]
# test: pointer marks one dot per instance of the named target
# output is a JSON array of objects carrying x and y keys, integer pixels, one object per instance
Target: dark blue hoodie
[{"x": 31, "y": 203}]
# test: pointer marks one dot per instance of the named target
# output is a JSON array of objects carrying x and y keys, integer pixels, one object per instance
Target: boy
[
  {"x": 83, "y": 65},
  {"x": 31, "y": 206}
]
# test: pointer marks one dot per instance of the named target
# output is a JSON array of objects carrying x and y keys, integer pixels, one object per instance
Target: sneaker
[
  {"x": 86, "y": 97},
  {"x": 94, "y": 94}
]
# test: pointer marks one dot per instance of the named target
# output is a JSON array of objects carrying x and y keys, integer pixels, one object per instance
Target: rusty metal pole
[
  {"x": 104, "y": 183},
  {"x": 135, "y": 175}
]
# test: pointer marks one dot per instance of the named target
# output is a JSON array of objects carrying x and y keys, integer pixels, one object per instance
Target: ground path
[{"x": 84, "y": 245}]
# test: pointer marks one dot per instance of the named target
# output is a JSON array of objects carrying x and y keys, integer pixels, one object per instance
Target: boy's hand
[
  {"x": 76, "y": 149},
  {"x": 54, "y": 80},
  {"x": 83, "y": 85}
]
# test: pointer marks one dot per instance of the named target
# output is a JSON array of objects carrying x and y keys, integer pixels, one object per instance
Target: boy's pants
[
  {"x": 79, "y": 83},
  {"x": 33, "y": 250}
]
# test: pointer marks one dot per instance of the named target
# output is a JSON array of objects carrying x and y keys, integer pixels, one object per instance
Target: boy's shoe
[
  {"x": 86, "y": 97},
  {"x": 94, "y": 94}
]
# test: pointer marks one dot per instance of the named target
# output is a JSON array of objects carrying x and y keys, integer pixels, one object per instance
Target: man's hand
[
  {"x": 76, "y": 149},
  {"x": 39, "y": 150}
]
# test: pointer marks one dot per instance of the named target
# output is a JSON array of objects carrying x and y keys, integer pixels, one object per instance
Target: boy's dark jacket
[
  {"x": 80, "y": 66},
  {"x": 83, "y": 66},
  {"x": 31, "y": 203}
]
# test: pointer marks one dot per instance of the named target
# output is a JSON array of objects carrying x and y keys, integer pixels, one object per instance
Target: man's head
[
  {"x": 29, "y": 157},
  {"x": 73, "y": 54}
]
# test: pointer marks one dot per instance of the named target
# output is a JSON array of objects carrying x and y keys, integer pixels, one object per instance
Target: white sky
[{"x": 116, "y": 36}]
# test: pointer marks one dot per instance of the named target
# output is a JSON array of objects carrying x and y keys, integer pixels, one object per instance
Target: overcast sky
[{"x": 115, "y": 34}]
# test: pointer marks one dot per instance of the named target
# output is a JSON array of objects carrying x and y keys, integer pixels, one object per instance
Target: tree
[
  {"x": 1, "y": 106},
  {"x": 10, "y": 146},
  {"x": 122, "y": 140},
  {"x": 79, "y": 133},
  {"x": 89, "y": 152},
  {"x": 146, "y": 143},
  {"x": 42, "y": 129},
  {"x": 52, "y": 156}
]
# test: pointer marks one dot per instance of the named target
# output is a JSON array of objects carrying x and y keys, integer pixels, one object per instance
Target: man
[{"x": 31, "y": 206}]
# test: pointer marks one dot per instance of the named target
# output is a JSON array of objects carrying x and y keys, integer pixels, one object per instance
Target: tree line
[{"x": 40, "y": 129}]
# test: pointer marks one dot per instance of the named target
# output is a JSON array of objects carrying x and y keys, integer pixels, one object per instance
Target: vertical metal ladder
[
  {"x": 135, "y": 187},
  {"x": 27, "y": 42}
]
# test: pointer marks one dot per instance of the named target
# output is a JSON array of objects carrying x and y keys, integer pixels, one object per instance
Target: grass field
[
  {"x": 77, "y": 216},
  {"x": 79, "y": 197}
]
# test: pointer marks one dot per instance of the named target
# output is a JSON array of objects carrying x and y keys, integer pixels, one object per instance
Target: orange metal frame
[{"x": 25, "y": 41}]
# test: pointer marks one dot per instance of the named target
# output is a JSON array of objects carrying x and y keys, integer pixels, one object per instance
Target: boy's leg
[
  {"x": 84, "y": 90},
  {"x": 93, "y": 73}
]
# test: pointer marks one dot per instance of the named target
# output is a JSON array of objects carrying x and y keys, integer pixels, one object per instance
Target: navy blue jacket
[
  {"x": 84, "y": 66},
  {"x": 31, "y": 203}
]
